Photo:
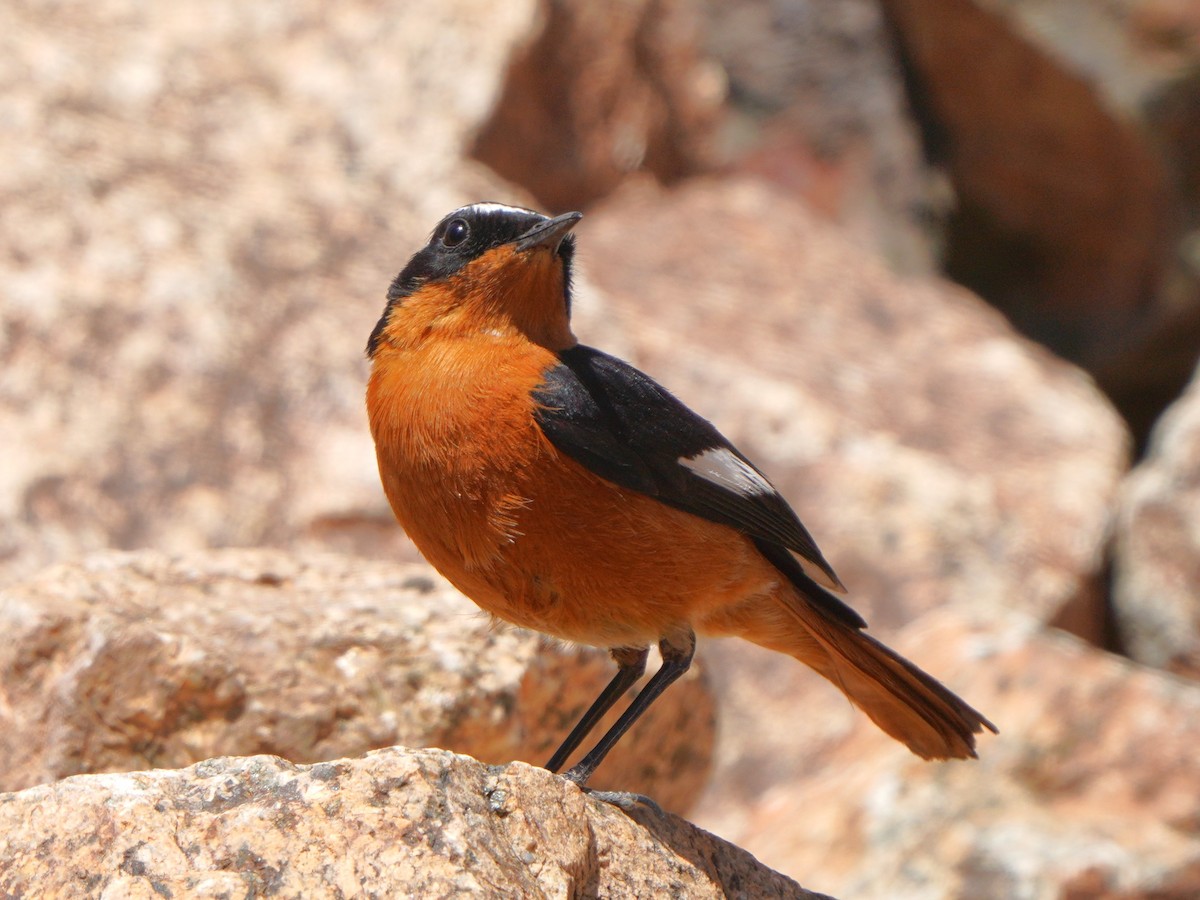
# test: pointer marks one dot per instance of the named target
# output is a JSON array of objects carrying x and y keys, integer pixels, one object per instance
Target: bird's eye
[{"x": 456, "y": 232}]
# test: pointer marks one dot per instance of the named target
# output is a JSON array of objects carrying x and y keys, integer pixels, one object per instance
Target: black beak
[{"x": 550, "y": 233}]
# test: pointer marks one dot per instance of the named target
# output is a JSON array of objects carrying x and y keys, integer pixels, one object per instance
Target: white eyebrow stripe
[
  {"x": 497, "y": 207},
  {"x": 724, "y": 468}
]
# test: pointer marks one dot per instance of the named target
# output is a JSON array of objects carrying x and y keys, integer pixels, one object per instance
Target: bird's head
[{"x": 487, "y": 267}]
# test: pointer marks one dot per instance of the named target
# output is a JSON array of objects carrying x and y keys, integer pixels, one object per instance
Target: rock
[
  {"x": 129, "y": 661},
  {"x": 1089, "y": 790},
  {"x": 817, "y": 105},
  {"x": 1157, "y": 557},
  {"x": 935, "y": 456},
  {"x": 397, "y": 822},
  {"x": 202, "y": 208},
  {"x": 1069, "y": 131},
  {"x": 600, "y": 91}
]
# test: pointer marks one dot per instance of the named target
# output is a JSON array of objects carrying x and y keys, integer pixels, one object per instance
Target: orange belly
[{"x": 529, "y": 534}]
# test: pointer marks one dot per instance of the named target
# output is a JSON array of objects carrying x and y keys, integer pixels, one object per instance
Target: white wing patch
[
  {"x": 497, "y": 207},
  {"x": 721, "y": 467},
  {"x": 813, "y": 571}
]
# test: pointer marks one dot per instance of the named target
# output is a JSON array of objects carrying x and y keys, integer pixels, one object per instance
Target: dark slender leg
[
  {"x": 677, "y": 657},
  {"x": 631, "y": 664}
]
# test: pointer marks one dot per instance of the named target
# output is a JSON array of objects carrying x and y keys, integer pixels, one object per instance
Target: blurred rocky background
[{"x": 935, "y": 266}]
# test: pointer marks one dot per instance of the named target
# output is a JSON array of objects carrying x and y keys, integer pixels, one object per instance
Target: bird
[{"x": 565, "y": 491}]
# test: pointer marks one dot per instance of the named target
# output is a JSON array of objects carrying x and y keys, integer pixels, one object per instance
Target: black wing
[{"x": 624, "y": 426}]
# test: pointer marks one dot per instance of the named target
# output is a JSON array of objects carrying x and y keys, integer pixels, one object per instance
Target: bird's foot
[{"x": 625, "y": 800}]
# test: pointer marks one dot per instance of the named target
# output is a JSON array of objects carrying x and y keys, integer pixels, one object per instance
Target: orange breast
[{"x": 527, "y": 533}]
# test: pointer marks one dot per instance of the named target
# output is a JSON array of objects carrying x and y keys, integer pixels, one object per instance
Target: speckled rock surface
[
  {"x": 395, "y": 823},
  {"x": 200, "y": 212},
  {"x": 131, "y": 661}
]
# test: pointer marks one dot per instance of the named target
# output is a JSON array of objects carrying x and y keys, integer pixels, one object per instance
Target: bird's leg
[
  {"x": 631, "y": 664},
  {"x": 677, "y": 657}
]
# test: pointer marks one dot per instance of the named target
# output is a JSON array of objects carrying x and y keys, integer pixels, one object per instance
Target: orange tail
[{"x": 911, "y": 706}]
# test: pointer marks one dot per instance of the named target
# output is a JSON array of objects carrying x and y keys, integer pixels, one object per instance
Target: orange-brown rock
[
  {"x": 396, "y": 823},
  {"x": 1069, "y": 131},
  {"x": 600, "y": 90},
  {"x": 1088, "y": 791},
  {"x": 131, "y": 661}
]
